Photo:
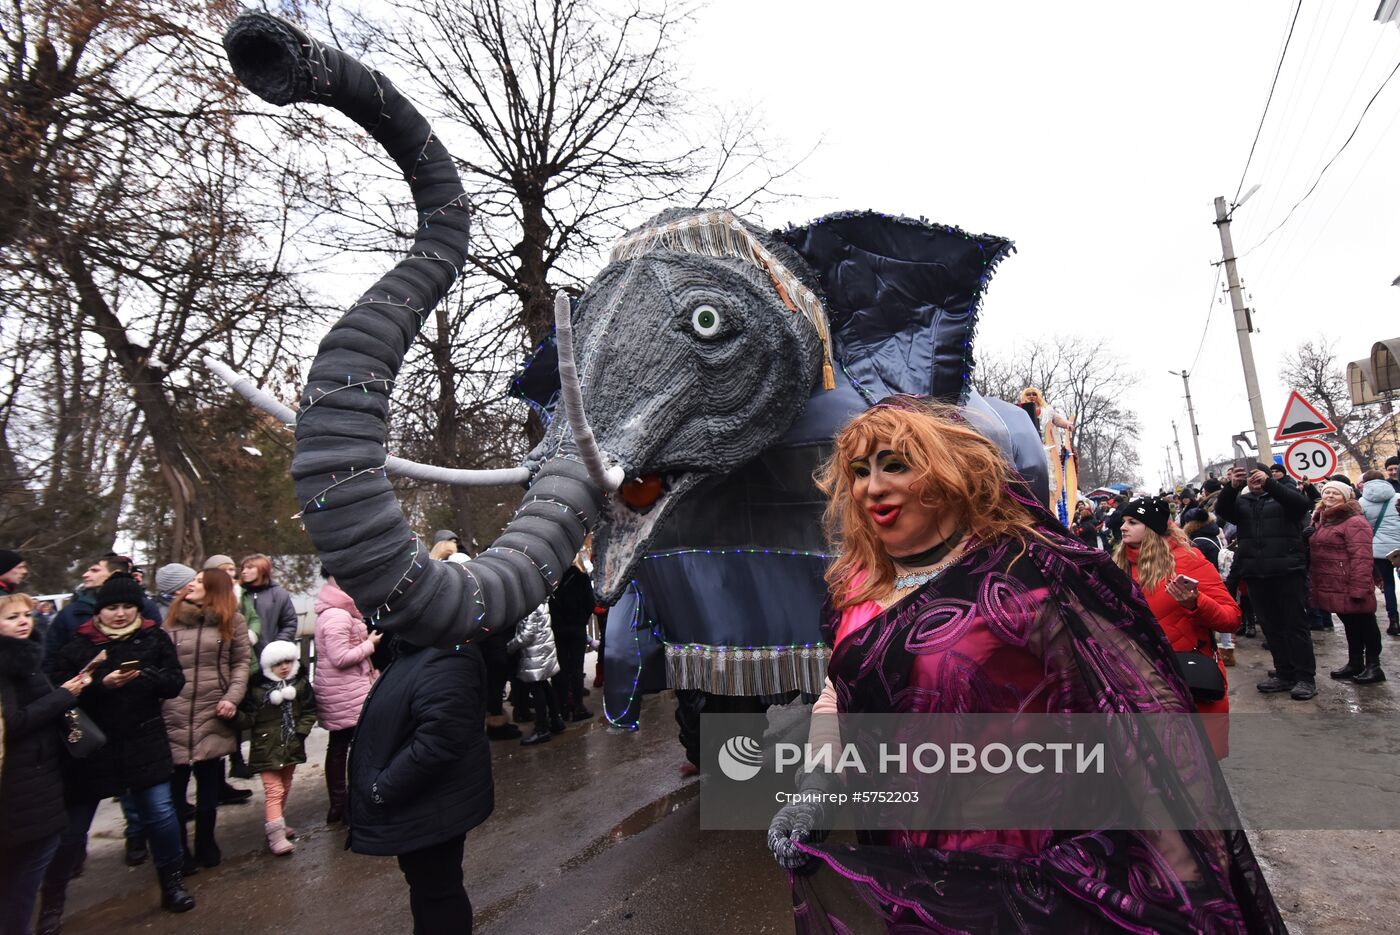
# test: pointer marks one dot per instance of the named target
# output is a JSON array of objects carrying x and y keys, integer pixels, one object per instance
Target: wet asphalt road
[{"x": 597, "y": 831}]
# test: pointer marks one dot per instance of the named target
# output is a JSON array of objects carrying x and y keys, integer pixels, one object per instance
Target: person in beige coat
[{"x": 211, "y": 640}]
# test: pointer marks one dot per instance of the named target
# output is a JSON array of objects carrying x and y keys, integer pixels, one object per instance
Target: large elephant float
[{"x": 701, "y": 377}]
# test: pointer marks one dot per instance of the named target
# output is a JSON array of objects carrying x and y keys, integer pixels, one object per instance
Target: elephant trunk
[{"x": 348, "y": 506}]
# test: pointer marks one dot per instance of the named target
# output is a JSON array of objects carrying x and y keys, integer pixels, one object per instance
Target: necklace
[
  {"x": 905, "y": 582},
  {"x": 929, "y": 556}
]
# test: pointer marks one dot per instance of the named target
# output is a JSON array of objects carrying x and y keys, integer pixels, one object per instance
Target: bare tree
[
  {"x": 573, "y": 116},
  {"x": 141, "y": 215},
  {"x": 1313, "y": 370},
  {"x": 1084, "y": 380}
]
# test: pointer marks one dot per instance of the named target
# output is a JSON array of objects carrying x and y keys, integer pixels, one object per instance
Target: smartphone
[
  {"x": 1245, "y": 464},
  {"x": 1186, "y": 581},
  {"x": 131, "y": 665},
  {"x": 94, "y": 662}
]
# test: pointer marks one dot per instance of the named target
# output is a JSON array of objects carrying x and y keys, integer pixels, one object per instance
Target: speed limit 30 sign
[{"x": 1310, "y": 459}]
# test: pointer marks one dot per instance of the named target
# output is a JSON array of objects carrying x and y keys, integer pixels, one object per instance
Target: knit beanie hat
[
  {"x": 1392, "y": 461},
  {"x": 119, "y": 589},
  {"x": 1211, "y": 485},
  {"x": 9, "y": 558},
  {"x": 444, "y": 535},
  {"x": 1346, "y": 490},
  {"x": 214, "y": 561},
  {"x": 171, "y": 578},
  {"x": 1152, "y": 512}
]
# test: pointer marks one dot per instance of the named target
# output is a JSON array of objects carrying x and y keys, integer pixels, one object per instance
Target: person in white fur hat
[{"x": 277, "y": 714}]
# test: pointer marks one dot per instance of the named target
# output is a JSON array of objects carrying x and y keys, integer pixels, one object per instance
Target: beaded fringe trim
[
  {"x": 719, "y": 234},
  {"x": 760, "y": 670}
]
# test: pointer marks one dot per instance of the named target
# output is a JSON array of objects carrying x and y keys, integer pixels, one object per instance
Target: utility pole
[
  {"x": 1171, "y": 475},
  {"x": 1243, "y": 328},
  {"x": 1179, "y": 462},
  {"x": 1195, "y": 432}
]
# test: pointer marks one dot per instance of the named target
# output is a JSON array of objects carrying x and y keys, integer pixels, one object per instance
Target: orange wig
[{"x": 956, "y": 470}]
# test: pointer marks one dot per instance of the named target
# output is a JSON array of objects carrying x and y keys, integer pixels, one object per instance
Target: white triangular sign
[{"x": 1301, "y": 419}]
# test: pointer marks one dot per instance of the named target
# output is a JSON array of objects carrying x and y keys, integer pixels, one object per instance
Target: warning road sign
[
  {"x": 1301, "y": 419},
  {"x": 1310, "y": 459}
]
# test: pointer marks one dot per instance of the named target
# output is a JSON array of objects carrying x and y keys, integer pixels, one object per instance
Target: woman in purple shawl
[{"x": 955, "y": 592}]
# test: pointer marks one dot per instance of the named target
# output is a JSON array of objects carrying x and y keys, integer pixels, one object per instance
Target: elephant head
[{"x": 698, "y": 346}]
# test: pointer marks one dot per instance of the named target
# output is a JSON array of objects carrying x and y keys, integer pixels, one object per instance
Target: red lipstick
[{"x": 884, "y": 514}]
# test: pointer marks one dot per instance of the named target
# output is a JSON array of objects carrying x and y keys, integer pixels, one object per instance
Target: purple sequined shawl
[{"x": 1097, "y": 648}]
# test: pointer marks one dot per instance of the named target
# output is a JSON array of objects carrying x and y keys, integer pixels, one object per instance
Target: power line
[
  {"x": 1210, "y": 310},
  {"x": 1339, "y": 151},
  {"x": 1272, "y": 85}
]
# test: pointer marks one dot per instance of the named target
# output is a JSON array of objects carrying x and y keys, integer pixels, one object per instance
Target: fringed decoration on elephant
[{"x": 752, "y": 670}]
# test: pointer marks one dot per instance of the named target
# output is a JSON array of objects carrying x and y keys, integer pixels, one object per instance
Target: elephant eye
[{"x": 705, "y": 320}]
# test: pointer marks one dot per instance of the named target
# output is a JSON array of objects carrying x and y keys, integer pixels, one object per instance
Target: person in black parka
[
  {"x": 570, "y": 609},
  {"x": 31, "y": 781},
  {"x": 420, "y": 777},
  {"x": 125, "y": 704}
]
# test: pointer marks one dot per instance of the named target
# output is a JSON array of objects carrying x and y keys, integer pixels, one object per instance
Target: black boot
[
  {"x": 1371, "y": 674},
  {"x": 135, "y": 850},
  {"x": 1352, "y": 667},
  {"x": 1394, "y": 628},
  {"x": 231, "y": 795},
  {"x": 50, "y": 914},
  {"x": 206, "y": 849},
  {"x": 173, "y": 895}
]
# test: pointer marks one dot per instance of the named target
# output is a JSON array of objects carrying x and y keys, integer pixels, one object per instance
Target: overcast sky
[{"x": 1096, "y": 135}]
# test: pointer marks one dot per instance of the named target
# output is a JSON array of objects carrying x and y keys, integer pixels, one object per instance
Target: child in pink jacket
[{"x": 344, "y": 675}]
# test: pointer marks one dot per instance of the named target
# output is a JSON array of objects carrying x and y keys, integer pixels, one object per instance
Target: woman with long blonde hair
[
  {"x": 954, "y": 591},
  {"x": 1186, "y": 595}
]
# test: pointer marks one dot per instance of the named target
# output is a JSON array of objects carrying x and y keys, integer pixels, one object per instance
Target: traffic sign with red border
[
  {"x": 1310, "y": 459},
  {"x": 1301, "y": 419}
]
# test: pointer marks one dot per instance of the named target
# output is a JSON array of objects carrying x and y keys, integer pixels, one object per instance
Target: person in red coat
[
  {"x": 1342, "y": 583},
  {"x": 1155, "y": 551}
]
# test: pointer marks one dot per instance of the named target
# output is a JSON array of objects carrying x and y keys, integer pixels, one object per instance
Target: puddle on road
[{"x": 634, "y": 824}]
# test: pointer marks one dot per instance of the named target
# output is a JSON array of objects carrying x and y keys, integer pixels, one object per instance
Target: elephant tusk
[
  {"x": 571, "y": 395},
  {"x": 456, "y": 477}
]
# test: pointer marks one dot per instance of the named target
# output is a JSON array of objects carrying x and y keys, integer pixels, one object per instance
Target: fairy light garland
[
  {"x": 350, "y": 384},
  {"x": 318, "y": 500},
  {"x": 415, "y": 563},
  {"x": 674, "y": 553},
  {"x": 637, "y": 674}
]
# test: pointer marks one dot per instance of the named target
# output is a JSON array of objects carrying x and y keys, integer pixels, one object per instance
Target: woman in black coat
[
  {"x": 570, "y": 607},
  {"x": 138, "y": 672},
  {"x": 31, "y": 782},
  {"x": 420, "y": 777}
]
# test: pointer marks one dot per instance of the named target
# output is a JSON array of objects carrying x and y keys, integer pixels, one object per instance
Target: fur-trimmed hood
[{"x": 279, "y": 651}]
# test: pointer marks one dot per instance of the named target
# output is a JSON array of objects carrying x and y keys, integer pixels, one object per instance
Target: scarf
[{"x": 116, "y": 633}]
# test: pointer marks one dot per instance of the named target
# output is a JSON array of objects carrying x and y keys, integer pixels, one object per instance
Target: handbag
[
  {"x": 81, "y": 735},
  {"x": 1202, "y": 674}
]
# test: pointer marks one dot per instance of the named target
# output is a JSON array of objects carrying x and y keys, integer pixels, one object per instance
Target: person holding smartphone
[
  {"x": 140, "y": 670},
  {"x": 1184, "y": 592},
  {"x": 1271, "y": 558}
]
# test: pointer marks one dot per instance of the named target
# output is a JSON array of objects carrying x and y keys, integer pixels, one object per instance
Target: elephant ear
[
  {"x": 902, "y": 297},
  {"x": 537, "y": 381}
]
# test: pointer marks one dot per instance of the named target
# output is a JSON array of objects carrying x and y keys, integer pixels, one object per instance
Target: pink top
[{"x": 1020, "y": 669}]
